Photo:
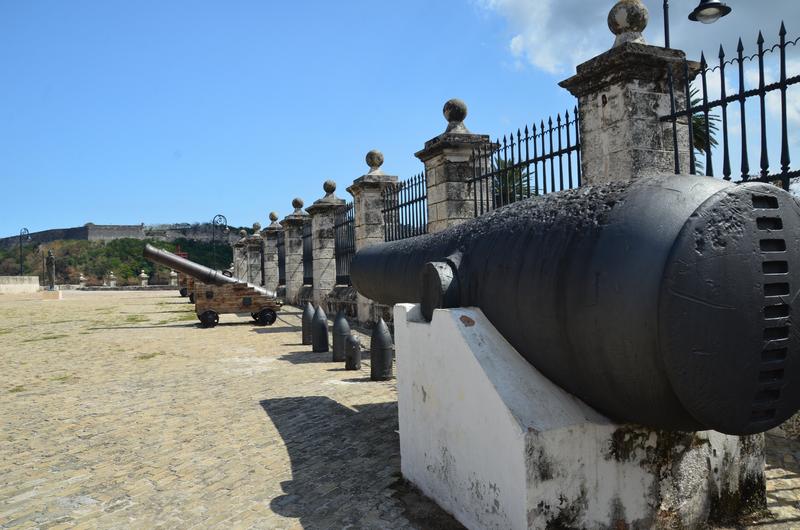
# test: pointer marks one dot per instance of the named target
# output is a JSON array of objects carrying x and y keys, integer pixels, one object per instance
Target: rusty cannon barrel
[
  {"x": 667, "y": 302},
  {"x": 195, "y": 270}
]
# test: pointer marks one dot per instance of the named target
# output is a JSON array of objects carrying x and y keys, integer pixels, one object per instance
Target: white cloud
[
  {"x": 544, "y": 37},
  {"x": 555, "y": 35}
]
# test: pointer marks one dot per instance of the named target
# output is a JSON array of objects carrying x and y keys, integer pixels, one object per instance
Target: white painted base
[
  {"x": 18, "y": 284},
  {"x": 498, "y": 445}
]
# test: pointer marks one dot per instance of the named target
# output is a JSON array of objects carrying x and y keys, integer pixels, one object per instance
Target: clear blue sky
[{"x": 173, "y": 111}]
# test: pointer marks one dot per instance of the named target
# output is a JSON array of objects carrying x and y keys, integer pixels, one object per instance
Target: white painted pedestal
[{"x": 498, "y": 445}]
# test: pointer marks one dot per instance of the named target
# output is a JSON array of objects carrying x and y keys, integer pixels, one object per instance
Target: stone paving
[{"x": 116, "y": 411}]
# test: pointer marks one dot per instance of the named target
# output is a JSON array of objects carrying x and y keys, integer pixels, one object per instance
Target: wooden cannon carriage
[{"x": 214, "y": 293}]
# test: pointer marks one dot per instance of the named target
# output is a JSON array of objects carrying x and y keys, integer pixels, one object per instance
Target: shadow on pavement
[
  {"x": 306, "y": 356},
  {"x": 273, "y": 329},
  {"x": 346, "y": 467}
]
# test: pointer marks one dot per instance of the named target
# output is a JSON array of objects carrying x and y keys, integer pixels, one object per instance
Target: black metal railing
[
  {"x": 308, "y": 255},
  {"x": 534, "y": 161},
  {"x": 281, "y": 244},
  {"x": 705, "y": 115},
  {"x": 405, "y": 208},
  {"x": 344, "y": 233}
]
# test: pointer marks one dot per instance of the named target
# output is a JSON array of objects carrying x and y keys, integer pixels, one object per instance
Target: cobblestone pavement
[{"x": 117, "y": 411}]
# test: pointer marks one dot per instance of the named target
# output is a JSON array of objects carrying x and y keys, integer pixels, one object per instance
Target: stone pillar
[
  {"x": 112, "y": 280},
  {"x": 173, "y": 278},
  {"x": 270, "y": 235},
  {"x": 622, "y": 94},
  {"x": 254, "y": 249},
  {"x": 293, "y": 230},
  {"x": 82, "y": 280},
  {"x": 367, "y": 205},
  {"x": 143, "y": 277},
  {"x": 448, "y": 168},
  {"x": 323, "y": 241},
  {"x": 240, "y": 256}
]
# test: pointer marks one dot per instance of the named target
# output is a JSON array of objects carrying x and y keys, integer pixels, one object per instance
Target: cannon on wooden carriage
[
  {"x": 214, "y": 292},
  {"x": 667, "y": 302}
]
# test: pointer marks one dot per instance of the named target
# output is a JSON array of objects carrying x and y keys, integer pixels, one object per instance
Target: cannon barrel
[
  {"x": 195, "y": 270},
  {"x": 666, "y": 302}
]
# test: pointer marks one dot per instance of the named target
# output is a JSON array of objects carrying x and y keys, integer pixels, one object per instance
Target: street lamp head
[{"x": 709, "y": 11}]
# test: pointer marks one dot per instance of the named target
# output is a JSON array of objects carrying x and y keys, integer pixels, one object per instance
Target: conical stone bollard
[
  {"x": 308, "y": 316},
  {"x": 319, "y": 331},
  {"x": 352, "y": 353},
  {"x": 341, "y": 330},
  {"x": 381, "y": 352}
]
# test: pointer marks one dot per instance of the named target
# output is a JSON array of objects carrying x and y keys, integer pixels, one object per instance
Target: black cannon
[
  {"x": 215, "y": 292},
  {"x": 666, "y": 302}
]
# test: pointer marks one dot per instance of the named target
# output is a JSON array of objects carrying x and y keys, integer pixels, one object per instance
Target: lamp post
[
  {"x": 707, "y": 12},
  {"x": 24, "y": 233},
  {"x": 218, "y": 220}
]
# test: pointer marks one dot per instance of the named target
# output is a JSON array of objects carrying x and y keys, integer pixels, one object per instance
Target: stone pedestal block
[
  {"x": 368, "y": 205},
  {"x": 498, "y": 445},
  {"x": 622, "y": 95},
  {"x": 323, "y": 241},
  {"x": 448, "y": 168},
  {"x": 293, "y": 231}
]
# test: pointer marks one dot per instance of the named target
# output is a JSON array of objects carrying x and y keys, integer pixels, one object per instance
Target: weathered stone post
[
  {"x": 270, "y": 235},
  {"x": 254, "y": 248},
  {"x": 448, "y": 168},
  {"x": 82, "y": 280},
  {"x": 173, "y": 278},
  {"x": 293, "y": 230},
  {"x": 143, "y": 277},
  {"x": 367, "y": 205},
  {"x": 622, "y": 94},
  {"x": 112, "y": 280},
  {"x": 323, "y": 241},
  {"x": 240, "y": 256}
]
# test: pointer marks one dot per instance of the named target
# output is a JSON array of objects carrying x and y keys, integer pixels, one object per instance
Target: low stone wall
[
  {"x": 342, "y": 297},
  {"x": 19, "y": 284},
  {"x": 789, "y": 429},
  {"x": 306, "y": 294}
]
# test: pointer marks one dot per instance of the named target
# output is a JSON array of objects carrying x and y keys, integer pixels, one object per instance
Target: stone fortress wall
[{"x": 94, "y": 232}]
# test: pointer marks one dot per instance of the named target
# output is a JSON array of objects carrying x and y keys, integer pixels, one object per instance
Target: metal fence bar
[
  {"x": 706, "y": 110},
  {"x": 308, "y": 255},
  {"x": 281, "y": 244},
  {"x": 344, "y": 242},
  {"x": 507, "y": 171},
  {"x": 405, "y": 208}
]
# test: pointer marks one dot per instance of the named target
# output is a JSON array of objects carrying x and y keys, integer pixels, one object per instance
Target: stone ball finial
[
  {"x": 627, "y": 20},
  {"x": 329, "y": 186},
  {"x": 273, "y": 216},
  {"x": 297, "y": 203},
  {"x": 256, "y": 227},
  {"x": 374, "y": 160},
  {"x": 455, "y": 111}
]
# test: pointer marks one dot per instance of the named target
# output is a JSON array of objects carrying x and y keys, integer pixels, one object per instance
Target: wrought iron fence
[
  {"x": 344, "y": 234},
  {"x": 281, "y": 244},
  {"x": 534, "y": 161},
  {"x": 705, "y": 114},
  {"x": 308, "y": 255},
  {"x": 405, "y": 208}
]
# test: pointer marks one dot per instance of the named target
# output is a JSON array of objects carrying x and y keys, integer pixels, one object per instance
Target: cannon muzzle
[
  {"x": 195, "y": 270},
  {"x": 666, "y": 302}
]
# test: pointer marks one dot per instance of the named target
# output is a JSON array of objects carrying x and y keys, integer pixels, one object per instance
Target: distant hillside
[{"x": 95, "y": 259}]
